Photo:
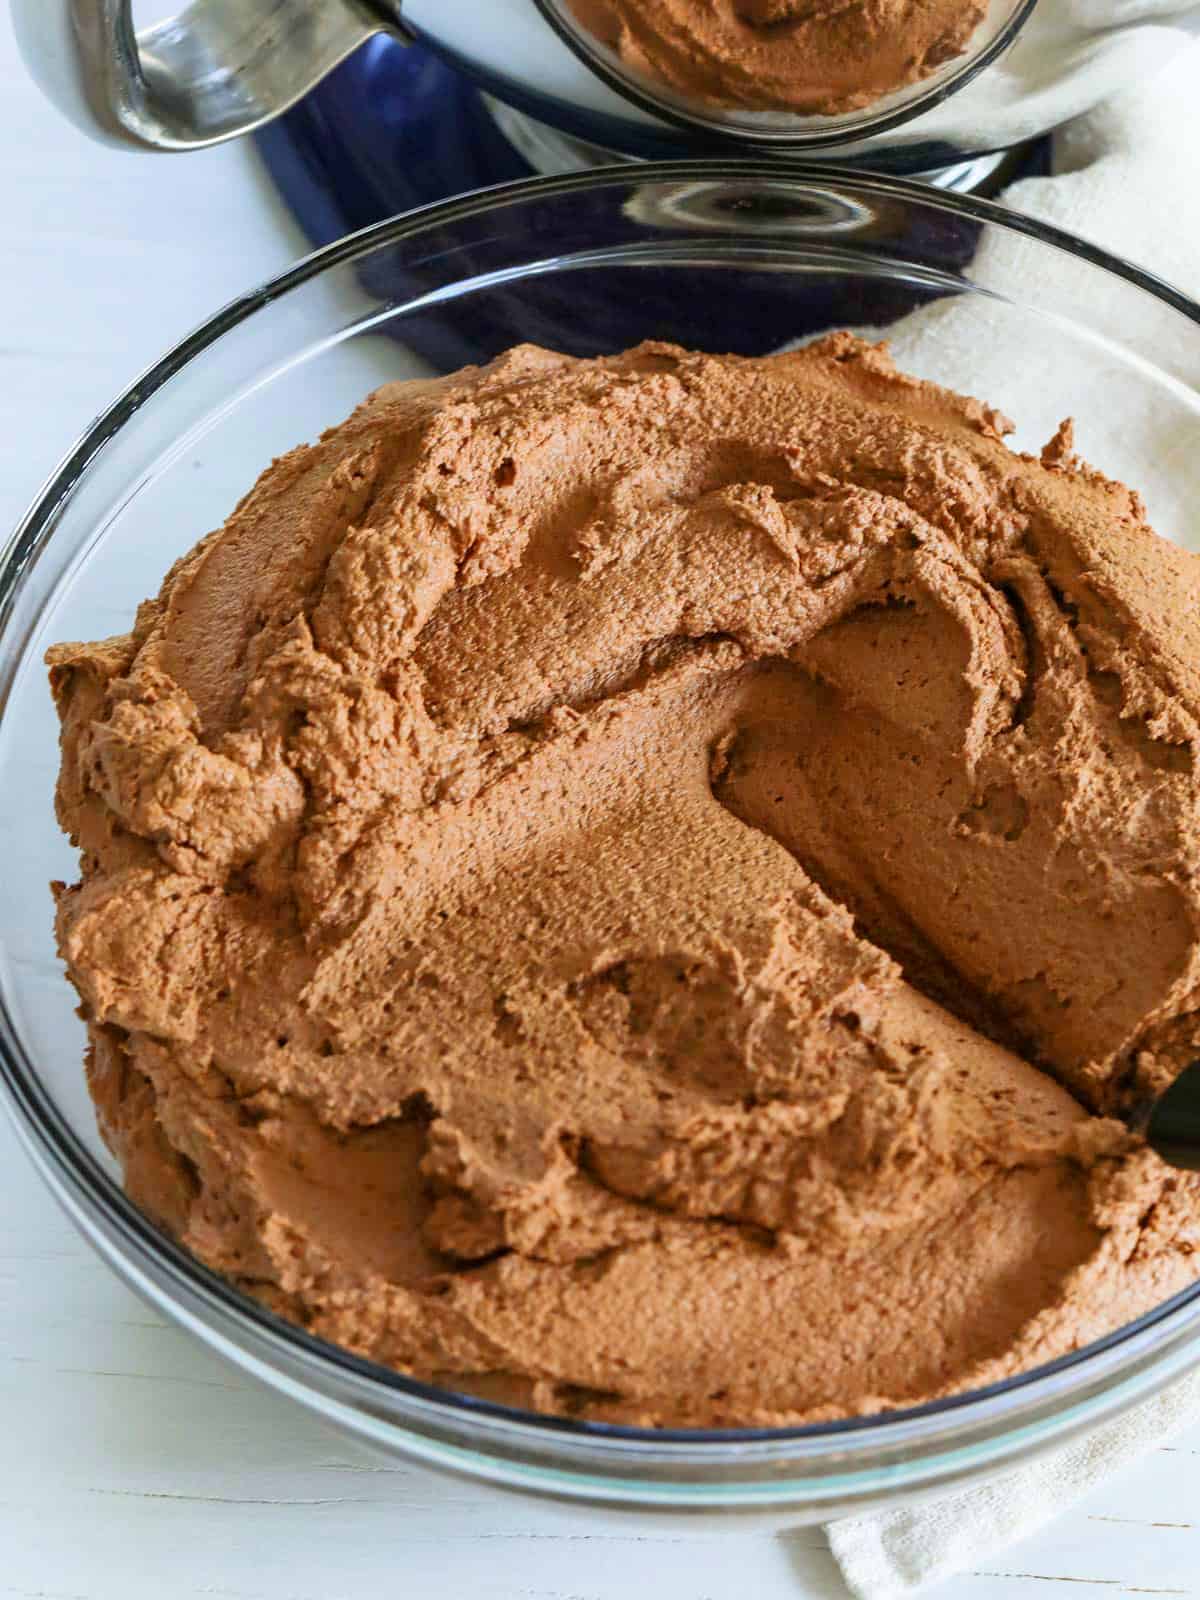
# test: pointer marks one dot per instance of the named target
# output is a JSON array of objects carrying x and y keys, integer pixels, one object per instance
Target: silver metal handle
[{"x": 218, "y": 69}]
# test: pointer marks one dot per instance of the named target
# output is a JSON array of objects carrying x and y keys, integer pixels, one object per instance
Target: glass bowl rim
[
  {"x": 855, "y": 126},
  {"x": 74, "y": 1174}
]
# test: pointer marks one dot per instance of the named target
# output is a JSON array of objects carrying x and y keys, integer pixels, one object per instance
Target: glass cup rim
[
  {"x": 77, "y": 1178},
  {"x": 852, "y": 126}
]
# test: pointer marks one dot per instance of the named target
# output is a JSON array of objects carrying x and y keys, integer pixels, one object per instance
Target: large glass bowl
[{"x": 725, "y": 255}]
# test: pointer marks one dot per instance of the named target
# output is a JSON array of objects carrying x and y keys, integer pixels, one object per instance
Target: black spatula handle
[{"x": 1171, "y": 1123}]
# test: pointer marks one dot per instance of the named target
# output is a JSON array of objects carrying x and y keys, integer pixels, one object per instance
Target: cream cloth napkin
[
  {"x": 895, "y": 1552},
  {"x": 1127, "y": 176}
]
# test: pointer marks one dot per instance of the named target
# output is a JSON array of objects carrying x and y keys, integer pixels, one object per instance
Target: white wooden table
[{"x": 133, "y": 1466}]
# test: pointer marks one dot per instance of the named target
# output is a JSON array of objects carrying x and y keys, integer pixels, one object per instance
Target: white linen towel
[
  {"x": 888, "y": 1553},
  {"x": 1126, "y": 176}
]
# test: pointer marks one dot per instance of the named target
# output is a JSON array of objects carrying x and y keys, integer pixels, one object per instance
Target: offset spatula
[{"x": 1171, "y": 1124}]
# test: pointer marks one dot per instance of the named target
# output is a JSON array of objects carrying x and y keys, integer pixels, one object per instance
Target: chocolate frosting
[
  {"x": 810, "y": 56},
  {"x": 642, "y": 888}
]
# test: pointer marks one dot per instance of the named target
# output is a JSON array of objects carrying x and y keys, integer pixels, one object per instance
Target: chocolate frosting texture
[
  {"x": 816, "y": 57},
  {"x": 642, "y": 888}
]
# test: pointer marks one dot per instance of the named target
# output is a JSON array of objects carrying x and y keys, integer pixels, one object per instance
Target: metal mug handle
[{"x": 218, "y": 69}]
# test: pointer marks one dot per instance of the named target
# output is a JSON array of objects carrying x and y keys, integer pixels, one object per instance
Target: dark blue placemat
[{"x": 393, "y": 128}]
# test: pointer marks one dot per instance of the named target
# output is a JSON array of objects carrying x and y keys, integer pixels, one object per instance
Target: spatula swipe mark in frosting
[{"x": 635, "y": 887}]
